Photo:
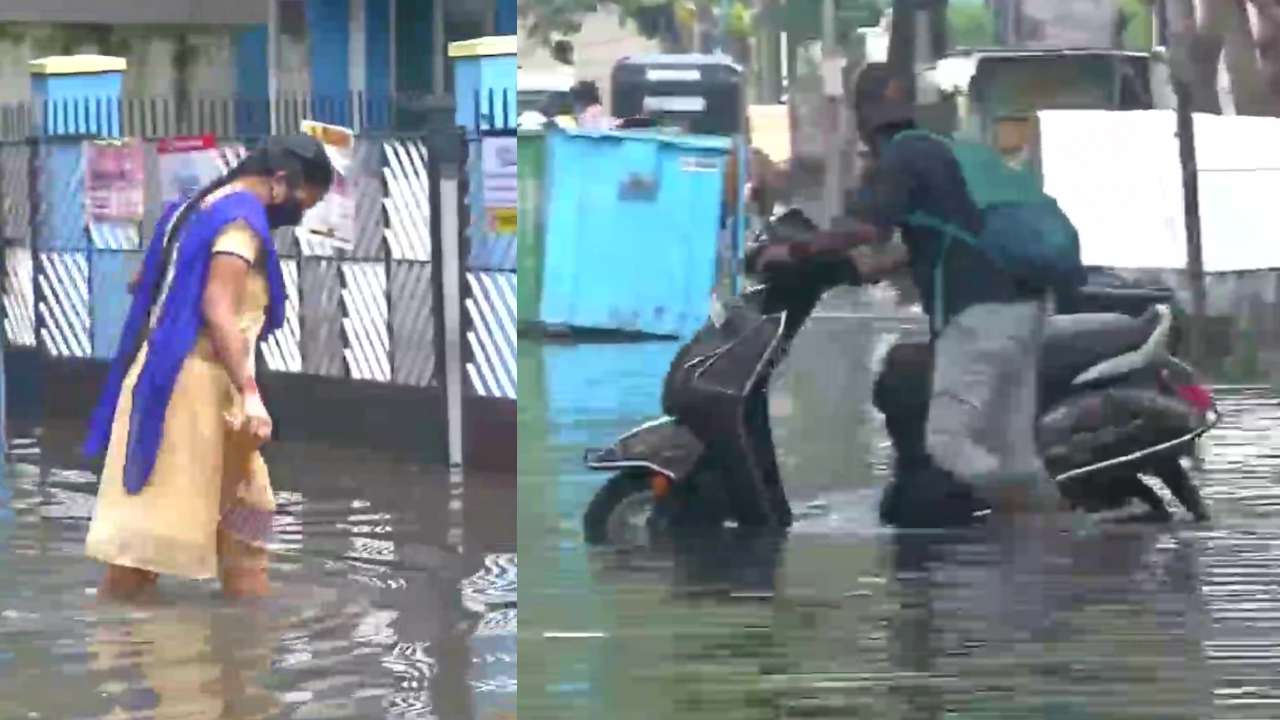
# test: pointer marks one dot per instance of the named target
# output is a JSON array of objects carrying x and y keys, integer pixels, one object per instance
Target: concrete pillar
[
  {"x": 273, "y": 60},
  {"x": 77, "y": 97},
  {"x": 484, "y": 82},
  {"x": 357, "y": 59},
  {"x": 91, "y": 82}
]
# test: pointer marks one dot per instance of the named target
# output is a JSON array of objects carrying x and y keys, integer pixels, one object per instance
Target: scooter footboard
[{"x": 662, "y": 445}]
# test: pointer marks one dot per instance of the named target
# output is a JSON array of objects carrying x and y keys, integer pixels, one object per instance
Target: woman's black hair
[{"x": 301, "y": 157}]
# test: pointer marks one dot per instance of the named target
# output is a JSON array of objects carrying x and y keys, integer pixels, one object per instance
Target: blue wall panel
[
  {"x": 505, "y": 18},
  {"x": 329, "y": 33},
  {"x": 377, "y": 62},
  {"x": 252, "y": 114},
  {"x": 109, "y": 275},
  {"x": 60, "y": 218}
]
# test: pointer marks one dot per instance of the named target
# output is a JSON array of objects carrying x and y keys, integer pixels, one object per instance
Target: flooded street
[
  {"x": 843, "y": 619},
  {"x": 394, "y": 596}
]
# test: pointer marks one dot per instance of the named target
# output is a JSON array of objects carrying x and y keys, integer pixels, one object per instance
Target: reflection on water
[
  {"x": 395, "y": 596},
  {"x": 842, "y": 619}
]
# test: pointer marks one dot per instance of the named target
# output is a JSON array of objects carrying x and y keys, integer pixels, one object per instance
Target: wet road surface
[
  {"x": 395, "y": 596},
  {"x": 842, "y": 619}
]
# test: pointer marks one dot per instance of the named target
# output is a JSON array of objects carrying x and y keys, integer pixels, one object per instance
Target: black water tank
[{"x": 702, "y": 92}]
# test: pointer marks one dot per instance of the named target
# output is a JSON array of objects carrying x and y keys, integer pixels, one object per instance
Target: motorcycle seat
[{"x": 1076, "y": 344}]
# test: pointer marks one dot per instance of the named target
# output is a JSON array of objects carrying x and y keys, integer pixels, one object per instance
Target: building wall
[
  {"x": 1057, "y": 23},
  {"x": 199, "y": 60},
  {"x": 172, "y": 12},
  {"x": 225, "y": 54},
  {"x": 415, "y": 34}
]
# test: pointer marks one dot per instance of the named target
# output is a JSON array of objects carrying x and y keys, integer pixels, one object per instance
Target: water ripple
[
  {"x": 842, "y": 619},
  {"x": 357, "y": 626}
]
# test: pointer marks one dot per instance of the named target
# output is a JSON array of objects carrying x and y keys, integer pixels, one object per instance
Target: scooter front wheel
[{"x": 624, "y": 511}]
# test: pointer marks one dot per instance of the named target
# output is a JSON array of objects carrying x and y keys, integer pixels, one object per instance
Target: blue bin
[{"x": 632, "y": 227}]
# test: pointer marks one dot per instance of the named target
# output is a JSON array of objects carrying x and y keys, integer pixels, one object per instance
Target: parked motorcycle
[{"x": 1116, "y": 405}]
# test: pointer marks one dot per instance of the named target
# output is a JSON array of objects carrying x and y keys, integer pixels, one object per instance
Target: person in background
[
  {"x": 986, "y": 340},
  {"x": 184, "y": 489},
  {"x": 588, "y": 111}
]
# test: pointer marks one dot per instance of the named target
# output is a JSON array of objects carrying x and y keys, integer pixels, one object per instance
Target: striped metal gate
[
  {"x": 371, "y": 312},
  {"x": 489, "y": 290}
]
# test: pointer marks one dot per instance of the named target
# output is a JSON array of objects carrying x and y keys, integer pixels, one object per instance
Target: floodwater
[
  {"x": 395, "y": 596},
  {"x": 842, "y": 619}
]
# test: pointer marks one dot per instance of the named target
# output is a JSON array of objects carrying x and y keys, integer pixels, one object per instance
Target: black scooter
[{"x": 1116, "y": 405}]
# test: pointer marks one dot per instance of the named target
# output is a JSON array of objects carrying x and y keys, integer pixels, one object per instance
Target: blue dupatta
[{"x": 178, "y": 325}]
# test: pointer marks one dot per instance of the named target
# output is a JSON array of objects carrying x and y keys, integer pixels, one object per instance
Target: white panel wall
[{"x": 1119, "y": 178}]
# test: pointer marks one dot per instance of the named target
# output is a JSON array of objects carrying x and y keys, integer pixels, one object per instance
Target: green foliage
[
  {"x": 1138, "y": 18},
  {"x": 547, "y": 19},
  {"x": 970, "y": 25},
  {"x": 803, "y": 19}
]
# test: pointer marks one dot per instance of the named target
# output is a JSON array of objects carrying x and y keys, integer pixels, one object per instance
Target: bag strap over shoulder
[
  {"x": 949, "y": 231},
  {"x": 919, "y": 133}
]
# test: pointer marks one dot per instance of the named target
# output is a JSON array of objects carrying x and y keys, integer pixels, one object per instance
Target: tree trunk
[
  {"x": 1268, "y": 39},
  {"x": 1196, "y": 55},
  {"x": 1243, "y": 68},
  {"x": 902, "y": 44}
]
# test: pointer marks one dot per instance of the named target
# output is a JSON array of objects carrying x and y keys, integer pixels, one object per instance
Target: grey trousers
[{"x": 983, "y": 411}]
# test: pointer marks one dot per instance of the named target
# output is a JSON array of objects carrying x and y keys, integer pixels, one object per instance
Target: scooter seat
[
  {"x": 1131, "y": 301},
  {"x": 1076, "y": 343}
]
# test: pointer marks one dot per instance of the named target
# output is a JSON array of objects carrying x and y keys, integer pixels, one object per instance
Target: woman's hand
[
  {"x": 257, "y": 421},
  {"x": 251, "y": 419}
]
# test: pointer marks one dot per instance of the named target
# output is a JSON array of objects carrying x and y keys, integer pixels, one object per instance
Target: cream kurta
[{"x": 203, "y": 469}]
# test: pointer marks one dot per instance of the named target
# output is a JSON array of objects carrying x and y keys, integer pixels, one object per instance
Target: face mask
[{"x": 285, "y": 214}]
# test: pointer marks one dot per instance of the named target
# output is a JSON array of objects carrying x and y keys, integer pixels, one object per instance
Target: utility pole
[
  {"x": 273, "y": 63},
  {"x": 1181, "y": 37},
  {"x": 725, "y": 6},
  {"x": 833, "y": 90}
]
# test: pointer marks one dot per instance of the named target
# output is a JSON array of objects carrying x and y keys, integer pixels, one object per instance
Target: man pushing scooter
[{"x": 987, "y": 249}]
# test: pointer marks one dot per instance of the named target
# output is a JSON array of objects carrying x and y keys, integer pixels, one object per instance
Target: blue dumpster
[{"x": 632, "y": 222}]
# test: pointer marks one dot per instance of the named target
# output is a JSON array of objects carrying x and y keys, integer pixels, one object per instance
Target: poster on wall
[
  {"x": 501, "y": 186},
  {"x": 185, "y": 164},
  {"x": 114, "y": 175},
  {"x": 331, "y": 223}
]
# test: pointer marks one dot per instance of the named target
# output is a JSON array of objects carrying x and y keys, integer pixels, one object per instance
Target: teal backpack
[{"x": 1023, "y": 229}]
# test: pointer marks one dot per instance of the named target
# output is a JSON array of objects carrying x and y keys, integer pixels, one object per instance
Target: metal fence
[
  {"x": 370, "y": 312},
  {"x": 489, "y": 296},
  {"x": 228, "y": 118}
]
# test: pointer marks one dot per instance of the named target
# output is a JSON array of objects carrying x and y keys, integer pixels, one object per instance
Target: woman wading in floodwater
[{"x": 184, "y": 490}]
